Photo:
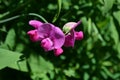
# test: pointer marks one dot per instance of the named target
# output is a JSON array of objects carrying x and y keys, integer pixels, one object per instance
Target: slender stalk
[
  {"x": 18, "y": 65},
  {"x": 15, "y": 17},
  {"x": 58, "y": 10},
  {"x": 34, "y": 14},
  {"x": 9, "y": 19}
]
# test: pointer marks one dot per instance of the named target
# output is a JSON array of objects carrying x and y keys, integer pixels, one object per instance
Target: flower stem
[
  {"x": 34, "y": 14},
  {"x": 9, "y": 19},
  {"x": 15, "y": 17},
  {"x": 58, "y": 10}
]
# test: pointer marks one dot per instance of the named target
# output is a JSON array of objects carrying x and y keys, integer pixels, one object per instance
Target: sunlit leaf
[
  {"x": 19, "y": 47},
  {"x": 40, "y": 67},
  {"x": 114, "y": 32},
  {"x": 70, "y": 72},
  {"x": 108, "y": 4},
  {"x": 107, "y": 63},
  {"x": 86, "y": 76},
  {"x": 90, "y": 27},
  {"x": 85, "y": 23},
  {"x": 104, "y": 75},
  {"x": 107, "y": 72},
  {"x": 10, "y": 39},
  {"x": 9, "y": 59},
  {"x": 117, "y": 16}
]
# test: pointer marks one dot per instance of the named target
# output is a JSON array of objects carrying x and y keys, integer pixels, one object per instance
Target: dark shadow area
[{"x": 12, "y": 74}]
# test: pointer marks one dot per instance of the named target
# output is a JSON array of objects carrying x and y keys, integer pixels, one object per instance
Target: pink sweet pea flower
[
  {"x": 33, "y": 35},
  {"x": 71, "y": 34},
  {"x": 58, "y": 52},
  {"x": 35, "y": 23},
  {"x": 51, "y": 37}
]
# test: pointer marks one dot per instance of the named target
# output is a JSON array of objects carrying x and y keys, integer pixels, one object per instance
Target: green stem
[
  {"x": 34, "y": 14},
  {"x": 15, "y": 17},
  {"x": 9, "y": 19},
  {"x": 18, "y": 65},
  {"x": 58, "y": 10}
]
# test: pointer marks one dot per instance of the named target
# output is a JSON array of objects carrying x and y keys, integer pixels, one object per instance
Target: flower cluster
[{"x": 52, "y": 37}]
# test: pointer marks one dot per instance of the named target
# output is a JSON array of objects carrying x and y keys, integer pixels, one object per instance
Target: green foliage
[
  {"x": 96, "y": 57},
  {"x": 40, "y": 67},
  {"x": 11, "y": 59},
  {"x": 10, "y": 39}
]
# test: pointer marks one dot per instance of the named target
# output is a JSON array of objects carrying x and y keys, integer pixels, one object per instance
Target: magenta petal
[
  {"x": 70, "y": 39},
  {"x": 33, "y": 35},
  {"x": 58, "y": 52},
  {"x": 48, "y": 30},
  {"x": 35, "y": 23},
  {"x": 45, "y": 30},
  {"x": 79, "y": 35},
  {"x": 58, "y": 37},
  {"x": 47, "y": 44}
]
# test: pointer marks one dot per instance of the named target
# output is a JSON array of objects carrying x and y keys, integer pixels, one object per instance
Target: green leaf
[
  {"x": 10, "y": 39},
  {"x": 9, "y": 59},
  {"x": 85, "y": 23},
  {"x": 104, "y": 75},
  {"x": 114, "y": 32},
  {"x": 107, "y": 63},
  {"x": 39, "y": 66},
  {"x": 117, "y": 16},
  {"x": 118, "y": 50},
  {"x": 19, "y": 47},
  {"x": 86, "y": 76},
  {"x": 96, "y": 32},
  {"x": 4, "y": 14},
  {"x": 89, "y": 26},
  {"x": 70, "y": 72},
  {"x": 108, "y": 4},
  {"x": 107, "y": 72}
]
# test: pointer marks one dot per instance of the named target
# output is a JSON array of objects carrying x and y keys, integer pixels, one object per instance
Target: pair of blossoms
[{"x": 52, "y": 37}]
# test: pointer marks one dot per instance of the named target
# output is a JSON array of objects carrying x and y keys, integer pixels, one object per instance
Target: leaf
[
  {"x": 89, "y": 26},
  {"x": 10, "y": 39},
  {"x": 104, "y": 75},
  {"x": 86, "y": 76},
  {"x": 19, "y": 47},
  {"x": 117, "y": 16},
  {"x": 108, "y": 4},
  {"x": 114, "y": 32},
  {"x": 118, "y": 50},
  {"x": 85, "y": 23},
  {"x": 96, "y": 32},
  {"x": 70, "y": 72},
  {"x": 107, "y": 63},
  {"x": 39, "y": 66},
  {"x": 9, "y": 59},
  {"x": 107, "y": 72}
]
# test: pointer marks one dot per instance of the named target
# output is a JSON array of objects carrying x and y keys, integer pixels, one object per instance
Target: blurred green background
[{"x": 96, "y": 57}]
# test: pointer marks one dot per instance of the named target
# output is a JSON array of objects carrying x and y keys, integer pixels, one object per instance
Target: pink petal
[
  {"x": 58, "y": 52},
  {"x": 48, "y": 30},
  {"x": 35, "y": 23},
  {"x": 45, "y": 30},
  {"x": 79, "y": 35},
  {"x": 33, "y": 35},
  {"x": 70, "y": 39},
  {"x": 72, "y": 35},
  {"x": 58, "y": 37},
  {"x": 47, "y": 44}
]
